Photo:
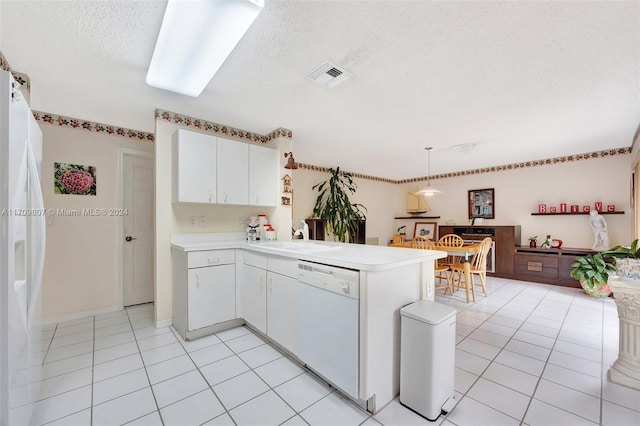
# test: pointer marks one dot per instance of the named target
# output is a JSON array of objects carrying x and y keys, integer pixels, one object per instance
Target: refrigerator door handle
[{"x": 39, "y": 230}]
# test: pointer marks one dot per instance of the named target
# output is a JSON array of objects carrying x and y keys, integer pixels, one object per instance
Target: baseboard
[
  {"x": 78, "y": 315},
  {"x": 164, "y": 323}
]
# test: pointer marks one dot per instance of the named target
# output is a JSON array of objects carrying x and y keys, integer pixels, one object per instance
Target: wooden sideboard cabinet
[
  {"x": 505, "y": 239},
  {"x": 317, "y": 231},
  {"x": 549, "y": 266}
]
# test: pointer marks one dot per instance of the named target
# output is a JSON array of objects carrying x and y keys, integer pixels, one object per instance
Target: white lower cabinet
[
  {"x": 204, "y": 290},
  {"x": 211, "y": 295},
  {"x": 281, "y": 310},
  {"x": 269, "y": 292},
  {"x": 255, "y": 296}
]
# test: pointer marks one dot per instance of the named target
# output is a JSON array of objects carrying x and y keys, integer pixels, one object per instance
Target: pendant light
[{"x": 429, "y": 190}]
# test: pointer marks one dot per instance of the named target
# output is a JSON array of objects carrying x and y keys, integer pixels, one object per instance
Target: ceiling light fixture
[
  {"x": 463, "y": 147},
  {"x": 429, "y": 190},
  {"x": 195, "y": 39}
]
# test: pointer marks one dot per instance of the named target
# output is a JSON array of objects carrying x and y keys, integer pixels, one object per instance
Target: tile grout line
[
  {"x": 545, "y": 367},
  {"x": 44, "y": 359},
  {"x": 93, "y": 369},
  {"x": 499, "y": 352},
  {"x": 188, "y": 354},
  {"x": 135, "y": 339}
]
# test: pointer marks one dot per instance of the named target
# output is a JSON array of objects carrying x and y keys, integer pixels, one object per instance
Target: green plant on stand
[
  {"x": 593, "y": 272},
  {"x": 627, "y": 260},
  {"x": 333, "y": 206}
]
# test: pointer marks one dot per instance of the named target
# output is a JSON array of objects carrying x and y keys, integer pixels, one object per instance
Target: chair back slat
[
  {"x": 479, "y": 259},
  {"x": 423, "y": 243},
  {"x": 451, "y": 240}
]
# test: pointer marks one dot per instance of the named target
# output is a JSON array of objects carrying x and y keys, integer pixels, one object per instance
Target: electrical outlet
[
  {"x": 242, "y": 220},
  {"x": 202, "y": 221},
  {"x": 193, "y": 221}
]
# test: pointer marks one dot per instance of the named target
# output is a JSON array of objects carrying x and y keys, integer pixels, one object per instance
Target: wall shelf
[
  {"x": 569, "y": 213},
  {"x": 417, "y": 217}
]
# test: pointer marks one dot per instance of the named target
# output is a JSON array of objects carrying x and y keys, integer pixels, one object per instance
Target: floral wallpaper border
[
  {"x": 21, "y": 78},
  {"x": 515, "y": 166},
  {"x": 220, "y": 129},
  {"x": 90, "y": 126}
]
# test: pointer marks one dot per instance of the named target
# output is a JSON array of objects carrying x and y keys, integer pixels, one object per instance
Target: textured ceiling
[{"x": 522, "y": 80}]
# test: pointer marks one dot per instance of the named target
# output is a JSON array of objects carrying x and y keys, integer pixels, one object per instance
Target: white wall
[
  {"x": 174, "y": 219},
  {"x": 81, "y": 264},
  {"x": 517, "y": 194},
  {"x": 381, "y": 199}
]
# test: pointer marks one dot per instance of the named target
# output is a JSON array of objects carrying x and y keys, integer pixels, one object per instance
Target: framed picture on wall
[
  {"x": 481, "y": 203},
  {"x": 426, "y": 229}
]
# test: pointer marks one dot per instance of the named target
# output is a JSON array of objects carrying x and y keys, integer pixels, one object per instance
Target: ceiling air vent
[{"x": 329, "y": 75}]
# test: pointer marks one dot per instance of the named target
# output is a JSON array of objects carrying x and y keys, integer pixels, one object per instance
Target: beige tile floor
[{"x": 528, "y": 354}]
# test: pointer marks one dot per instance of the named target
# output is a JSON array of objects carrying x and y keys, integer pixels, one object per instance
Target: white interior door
[{"x": 137, "y": 272}]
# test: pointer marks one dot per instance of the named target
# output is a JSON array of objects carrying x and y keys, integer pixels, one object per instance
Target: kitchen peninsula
[{"x": 333, "y": 307}]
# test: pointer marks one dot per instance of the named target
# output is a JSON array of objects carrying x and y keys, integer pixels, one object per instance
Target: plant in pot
[
  {"x": 340, "y": 215},
  {"x": 627, "y": 261},
  {"x": 593, "y": 272},
  {"x": 533, "y": 242}
]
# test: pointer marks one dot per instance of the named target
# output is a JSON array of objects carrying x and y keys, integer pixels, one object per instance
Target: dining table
[{"x": 465, "y": 251}]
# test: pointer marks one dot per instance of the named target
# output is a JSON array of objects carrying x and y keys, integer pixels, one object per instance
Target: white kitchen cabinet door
[
  {"x": 232, "y": 172},
  {"x": 255, "y": 297},
  {"x": 281, "y": 310},
  {"x": 211, "y": 295},
  {"x": 263, "y": 176},
  {"x": 194, "y": 167}
]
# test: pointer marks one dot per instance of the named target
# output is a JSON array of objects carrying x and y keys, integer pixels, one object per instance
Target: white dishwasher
[{"x": 328, "y": 323}]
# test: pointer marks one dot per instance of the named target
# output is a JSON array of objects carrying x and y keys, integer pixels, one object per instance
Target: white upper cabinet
[
  {"x": 194, "y": 167},
  {"x": 263, "y": 176},
  {"x": 212, "y": 170},
  {"x": 233, "y": 172}
]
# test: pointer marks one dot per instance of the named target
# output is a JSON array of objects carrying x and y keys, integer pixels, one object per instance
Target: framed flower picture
[{"x": 74, "y": 179}]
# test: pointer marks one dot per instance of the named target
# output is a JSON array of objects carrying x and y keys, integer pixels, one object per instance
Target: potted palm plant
[
  {"x": 593, "y": 272},
  {"x": 333, "y": 206},
  {"x": 627, "y": 261}
]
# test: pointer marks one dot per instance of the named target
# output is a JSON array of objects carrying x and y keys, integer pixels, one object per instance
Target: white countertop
[{"x": 353, "y": 256}]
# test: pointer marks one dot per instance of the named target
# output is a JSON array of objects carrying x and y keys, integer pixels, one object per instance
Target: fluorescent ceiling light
[{"x": 195, "y": 39}]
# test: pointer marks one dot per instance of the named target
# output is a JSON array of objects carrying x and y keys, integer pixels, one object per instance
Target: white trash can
[{"x": 427, "y": 358}]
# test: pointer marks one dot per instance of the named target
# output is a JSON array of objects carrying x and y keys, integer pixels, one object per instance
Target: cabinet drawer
[
  {"x": 535, "y": 269},
  {"x": 255, "y": 259},
  {"x": 545, "y": 261},
  {"x": 199, "y": 259},
  {"x": 284, "y": 266},
  {"x": 536, "y": 265}
]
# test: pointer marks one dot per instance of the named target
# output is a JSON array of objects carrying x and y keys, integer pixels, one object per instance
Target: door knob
[{"x": 129, "y": 238}]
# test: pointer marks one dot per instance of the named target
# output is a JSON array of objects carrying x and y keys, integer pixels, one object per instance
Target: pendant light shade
[
  {"x": 291, "y": 162},
  {"x": 429, "y": 190}
]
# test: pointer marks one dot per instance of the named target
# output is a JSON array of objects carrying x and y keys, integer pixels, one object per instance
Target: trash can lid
[{"x": 428, "y": 311}]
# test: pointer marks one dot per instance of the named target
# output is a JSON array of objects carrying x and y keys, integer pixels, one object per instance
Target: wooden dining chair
[
  {"x": 478, "y": 266},
  {"x": 442, "y": 272},
  {"x": 451, "y": 240}
]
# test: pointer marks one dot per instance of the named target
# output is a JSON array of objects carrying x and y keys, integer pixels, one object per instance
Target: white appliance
[
  {"x": 22, "y": 245},
  {"x": 328, "y": 323},
  {"x": 427, "y": 357}
]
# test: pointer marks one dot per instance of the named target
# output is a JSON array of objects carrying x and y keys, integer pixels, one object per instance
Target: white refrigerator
[{"x": 22, "y": 247}]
